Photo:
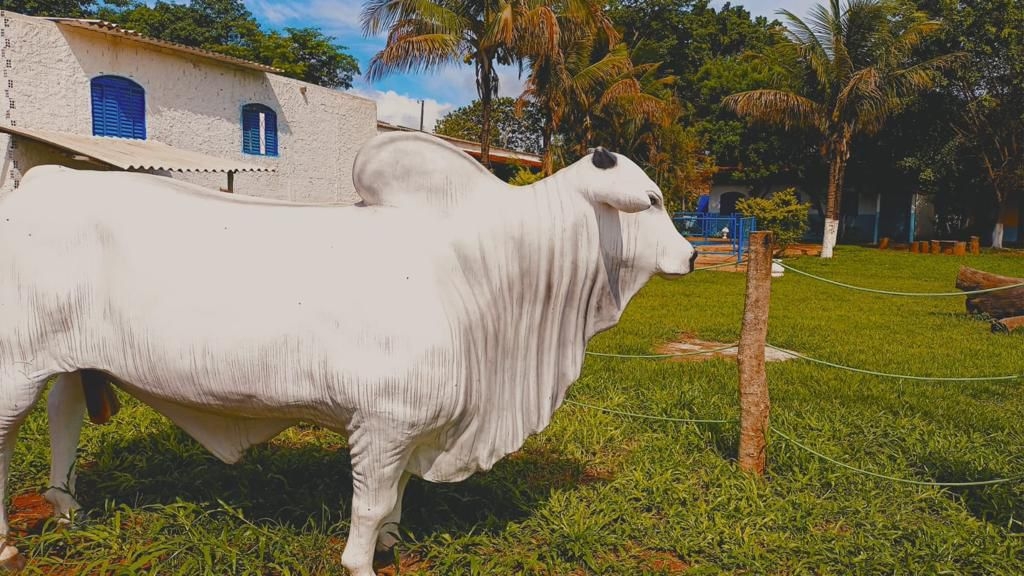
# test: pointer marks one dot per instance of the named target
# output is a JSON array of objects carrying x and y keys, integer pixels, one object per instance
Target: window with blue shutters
[
  {"x": 118, "y": 108},
  {"x": 259, "y": 130}
]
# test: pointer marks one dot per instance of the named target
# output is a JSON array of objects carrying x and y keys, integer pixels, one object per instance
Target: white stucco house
[{"x": 88, "y": 94}]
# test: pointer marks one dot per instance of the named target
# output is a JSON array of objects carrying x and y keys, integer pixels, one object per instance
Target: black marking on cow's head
[{"x": 604, "y": 159}]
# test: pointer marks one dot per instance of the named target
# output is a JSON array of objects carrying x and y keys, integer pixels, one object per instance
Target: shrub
[
  {"x": 524, "y": 177},
  {"x": 782, "y": 214}
]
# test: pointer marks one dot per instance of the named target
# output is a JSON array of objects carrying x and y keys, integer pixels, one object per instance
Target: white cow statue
[{"x": 437, "y": 324}]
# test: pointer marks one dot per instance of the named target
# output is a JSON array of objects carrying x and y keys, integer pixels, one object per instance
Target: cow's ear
[{"x": 624, "y": 201}]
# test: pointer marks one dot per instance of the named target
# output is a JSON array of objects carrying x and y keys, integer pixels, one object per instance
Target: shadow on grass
[
  {"x": 296, "y": 484},
  {"x": 723, "y": 440},
  {"x": 1000, "y": 504}
]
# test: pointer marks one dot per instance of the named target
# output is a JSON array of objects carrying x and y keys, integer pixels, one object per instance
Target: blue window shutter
[
  {"x": 118, "y": 108},
  {"x": 270, "y": 124},
  {"x": 251, "y": 135},
  {"x": 250, "y": 129}
]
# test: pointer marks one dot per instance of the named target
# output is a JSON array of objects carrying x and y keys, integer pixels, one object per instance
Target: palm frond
[
  {"x": 412, "y": 53},
  {"x": 777, "y": 107},
  {"x": 380, "y": 15}
]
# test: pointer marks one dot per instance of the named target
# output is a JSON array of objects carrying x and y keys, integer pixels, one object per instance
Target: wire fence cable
[
  {"x": 892, "y": 293},
  {"x": 806, "y": 448},
  {"x": 901, "y": 376},
  {"x": 893, "y": 478}
]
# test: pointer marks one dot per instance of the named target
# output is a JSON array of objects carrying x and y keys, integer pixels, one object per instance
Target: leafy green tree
[
  {"x": 710, "y": 51},
  {"x": 684, "y": 35},
  {"x": 510, "y": 128},
  {"x": 988, "y": 94},
  {"x": 862, "y": 68},
  {"x": 228, "y": 27},
  {"x": 56, "y": 8},
  {"x": 308, "y": 54}
]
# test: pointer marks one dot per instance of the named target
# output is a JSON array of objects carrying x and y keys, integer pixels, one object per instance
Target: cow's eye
[{"x": 655, "y": 201}]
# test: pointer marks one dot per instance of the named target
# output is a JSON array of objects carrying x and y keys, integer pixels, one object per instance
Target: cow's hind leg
[
  {"x": 18, "y": 394},
  {"x": 377, "y": 469},
  {"x": 389, "y": 536},
  {"x": 66, "y": 411}
]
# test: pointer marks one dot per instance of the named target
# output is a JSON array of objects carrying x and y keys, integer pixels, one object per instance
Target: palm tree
[
  {"x": 428, "y": 34},
  {"x": 567, "y": 85},
  {"x": 568, "y": 68},
  {"x": 861, "y": 71}
]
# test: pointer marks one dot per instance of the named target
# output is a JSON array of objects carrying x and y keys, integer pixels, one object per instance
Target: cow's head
[{"x": 646, "y": 241}]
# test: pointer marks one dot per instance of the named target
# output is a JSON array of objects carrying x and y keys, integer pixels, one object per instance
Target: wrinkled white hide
[{"x": 437, "y": 325}]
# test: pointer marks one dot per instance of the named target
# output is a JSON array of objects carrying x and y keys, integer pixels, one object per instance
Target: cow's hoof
[
  {"x": 10, "y": 559},
  {"x": 386, "y": 541},
  {"x": 64, "y": 505}
]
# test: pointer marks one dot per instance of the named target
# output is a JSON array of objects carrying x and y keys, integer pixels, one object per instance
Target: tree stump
[
  {"x": 975, "y": 243},
  {"x": 883, "y": 243},
  {"x": 960, "y": 249},
  {"x": 936, "y": 247},
  {"x": 915, "y": 248},
  {"x": 1002, "y": 304}
]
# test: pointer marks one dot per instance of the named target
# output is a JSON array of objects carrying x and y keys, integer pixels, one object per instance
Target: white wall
[{"x": 191, "y": 102}]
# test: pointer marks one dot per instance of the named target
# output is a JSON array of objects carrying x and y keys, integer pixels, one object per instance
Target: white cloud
[
  {"x": 402, "y": 110},
  {"x": 275, "y": 13},
  {"x": 332, "y": 16},
  {"x": 458, "y": 83}
]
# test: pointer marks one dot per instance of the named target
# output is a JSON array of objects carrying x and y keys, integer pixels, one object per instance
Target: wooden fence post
[{"x": 754, "y": 403}]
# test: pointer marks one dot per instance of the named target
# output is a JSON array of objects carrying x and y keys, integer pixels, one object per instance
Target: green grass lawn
[{"x": 598, "y": 493}]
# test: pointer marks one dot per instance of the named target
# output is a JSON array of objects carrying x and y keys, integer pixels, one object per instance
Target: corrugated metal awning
[
  {"x": 112, "y": 29},
  {"x": 129, "y": 154}
]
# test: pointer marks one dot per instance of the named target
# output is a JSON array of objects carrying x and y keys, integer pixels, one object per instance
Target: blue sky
[{"x": 397, "y": 96}]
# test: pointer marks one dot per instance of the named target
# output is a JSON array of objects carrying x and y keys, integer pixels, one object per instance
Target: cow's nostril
[{"x": 693, "y": 259}]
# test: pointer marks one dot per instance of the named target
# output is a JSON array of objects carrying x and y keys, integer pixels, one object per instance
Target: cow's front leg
[
  {"x": 389, "y": 536},
  {"x": 17, "y": 397},
  {"x": 65, "y": 410},
  {"x": 377, "y": 469}
]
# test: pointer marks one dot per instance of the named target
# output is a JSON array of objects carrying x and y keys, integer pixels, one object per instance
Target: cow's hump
[{"x": 413, "y": 169}]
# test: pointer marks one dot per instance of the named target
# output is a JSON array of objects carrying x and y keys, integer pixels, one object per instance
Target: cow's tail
[{"x": 100, "y": 399}]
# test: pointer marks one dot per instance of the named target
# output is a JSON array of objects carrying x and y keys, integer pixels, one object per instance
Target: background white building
[{"x": 88, "y": 94}]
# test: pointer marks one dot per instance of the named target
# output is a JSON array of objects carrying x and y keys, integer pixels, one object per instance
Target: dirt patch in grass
[
  {"x": 802, "y": 250},
  {"x": 665, "y": 562},
  {"x": 29, "y": 512},
  {"x": 407, "y": 562},
  {"x": 689, "y": 344}
]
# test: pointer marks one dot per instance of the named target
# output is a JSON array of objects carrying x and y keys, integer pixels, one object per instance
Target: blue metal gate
[{"x": 705, "y": 229}]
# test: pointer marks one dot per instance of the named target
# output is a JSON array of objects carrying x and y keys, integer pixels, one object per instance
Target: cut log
[
  {"x": 1007, "y": 325},
  {"x": 1002, "y": 304}
]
